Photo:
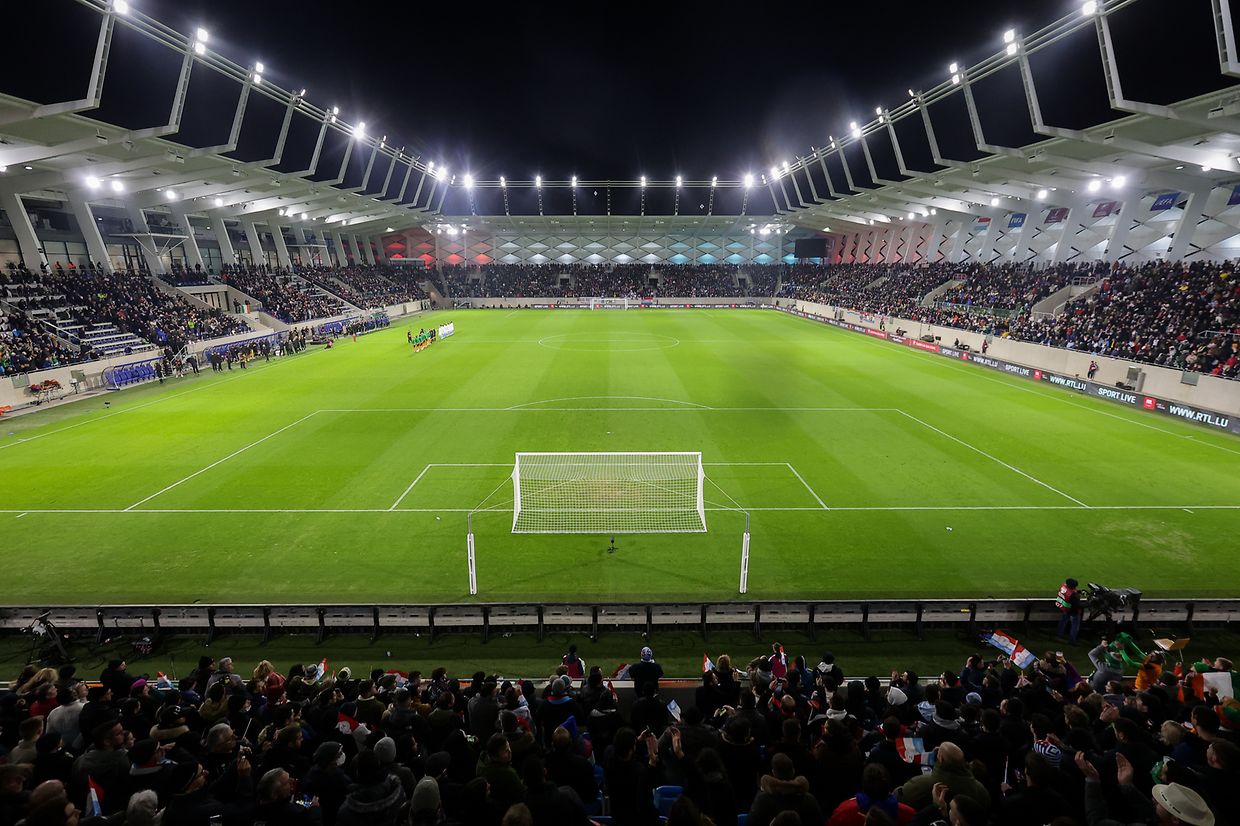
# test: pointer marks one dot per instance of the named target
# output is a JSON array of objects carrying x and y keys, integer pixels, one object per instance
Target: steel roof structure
[{"x": 1157, "y": 182}]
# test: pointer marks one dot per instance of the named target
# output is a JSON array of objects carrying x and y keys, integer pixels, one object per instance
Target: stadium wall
[
  {"x": 1210, "y": 392},
  {"x": 544, "y": 302}
]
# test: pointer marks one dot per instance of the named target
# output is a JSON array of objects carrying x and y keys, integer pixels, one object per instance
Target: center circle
[{"x": 610, "y": 342}]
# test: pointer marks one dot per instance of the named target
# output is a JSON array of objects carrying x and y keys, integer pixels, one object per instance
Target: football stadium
[{"x": 401, "y": 436}]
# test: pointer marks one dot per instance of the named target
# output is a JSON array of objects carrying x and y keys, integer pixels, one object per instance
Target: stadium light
[
  {"x": 1094, "y": 185},
  {"x": 679, "y": 181},
  {"x": 934, "y": 212},
  {"x": 1089, "y": 8},
  {"x": 878, "y": 110},
  {"x": 1009, "y": 36},
  {"x": 955, "y": 80},
  {"x": 3, "y": 168},
  {"x": 441, "y": 172},
  {"x": 856, "y": 130},
  {"x": 92, "y": 182},
  {"x": 911, "y": 93},
  {"x": 574, "y": 182},
  {"x": 120, "y": 7},
  {"x": 219, "y": 202},
  {"x": 469, "y": 181},
  {"x": 1205, "y": 168},
  {"x": 1118, "y": 182},
  {"x": 303, "y": 216},
  {"x": 170, "y": 194},
  {"x": 911, "y": 216},
  {"x": 538, "y": 181},
  {"x": 302, "y": 93},
  {"x": 826, "y": 229},
  {"x": 714, "y": 181},
  {"x": 200, "y": 42},
  {"x": 503, "y": 184},
  {"x": 643, "y": 181},
  {"x": 1042, "y": 193},
  {"x": 774, "y": 172},
  {"x": 994, "y": 202},
  {"x": 1011, "y": 49},
  {"x": 118, "y": 186},
  {"x": 282, "y": 210},
  {"x": 785, "y": 166},
  {"x": 748, "y": 180},
  {"x": 953, "y": 68},
  {"x": 359, "y": 130}
]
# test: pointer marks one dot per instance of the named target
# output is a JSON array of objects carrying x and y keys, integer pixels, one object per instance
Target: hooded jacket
[
  {"x": 375, "y": 804},
  {"x": 775, "y": 796}
]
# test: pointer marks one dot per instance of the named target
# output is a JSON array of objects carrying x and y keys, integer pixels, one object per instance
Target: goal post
[
  {"x": 609, "y": 304},
  {"x": 608, "y": 493}
]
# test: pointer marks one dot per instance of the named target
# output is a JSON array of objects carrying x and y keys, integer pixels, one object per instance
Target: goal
[
  {"x": 609, "y": 304},
  {"x": 608, "y": 493}
]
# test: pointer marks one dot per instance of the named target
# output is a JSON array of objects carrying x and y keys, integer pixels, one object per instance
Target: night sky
[{"x": 612, "y": 90}]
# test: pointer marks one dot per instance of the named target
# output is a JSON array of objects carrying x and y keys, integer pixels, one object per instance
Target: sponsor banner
[
  {"x": 981, "y": 224},
  {"x": 1017, "y": 220},
  {"x": 1186, "y": 412},
  {"x": 1106, "y": 208},
  {"x": 1235, "y": 196},
  {"x": 1165, "y": 201},
  {"x": 1056, "y": 215}
]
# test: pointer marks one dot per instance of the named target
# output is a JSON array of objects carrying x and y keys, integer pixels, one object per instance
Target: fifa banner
[
  {"x": 446, "y": 330},
  {"x": 1235, "y": 196},
  {"x": 1017, "y": 220},
  {"x": 1165, "y": 201},
  {"x": 1129, "y": 398}
]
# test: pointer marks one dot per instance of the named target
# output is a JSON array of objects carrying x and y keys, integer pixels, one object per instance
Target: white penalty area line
[
  {"x": 836, "y": 509},
  {"x": 993, "y": 458},
  {"x": 818, "y": 498},
  {"x": 217, "y": 462}
]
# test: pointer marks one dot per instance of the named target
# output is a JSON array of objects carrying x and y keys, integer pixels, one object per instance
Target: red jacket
[{"x": 849, "y": 813}]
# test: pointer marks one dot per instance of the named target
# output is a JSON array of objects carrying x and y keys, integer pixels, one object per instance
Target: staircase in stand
[{"x": 106, "y": 340}]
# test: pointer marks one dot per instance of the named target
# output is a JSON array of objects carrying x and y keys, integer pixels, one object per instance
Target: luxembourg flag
[
  {"x": 1021, "y": 656},
  {"x": 94, "y": 798},
  {"x": 912, "y": 750},
  {"x": 707, "y": 665}
]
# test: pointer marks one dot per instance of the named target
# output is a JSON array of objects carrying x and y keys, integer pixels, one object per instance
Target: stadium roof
[{"x": 355, "y": 179}]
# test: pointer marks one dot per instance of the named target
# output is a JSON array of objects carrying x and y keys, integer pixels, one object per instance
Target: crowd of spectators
[
  {"x": 611, "y": 280},
  {"x": 26, "y": 346},
  {"x": 367, "y": 286},
  {"x": 785, "y": 742},
  {"x": 281, "y": 293}
]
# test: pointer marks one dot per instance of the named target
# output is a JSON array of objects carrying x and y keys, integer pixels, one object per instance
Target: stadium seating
[{"x": 784, "y": 733}]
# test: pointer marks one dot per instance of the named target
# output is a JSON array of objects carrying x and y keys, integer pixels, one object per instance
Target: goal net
[
  {"x": 609, "y": 304},
  {"x": 608, "y": 493}
]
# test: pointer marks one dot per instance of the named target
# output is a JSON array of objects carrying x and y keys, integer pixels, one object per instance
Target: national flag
[
  {"x": 94, "y": 798},
  {"x": 345, "y": 724},
  {"x": 673, "y": 708},
  {"x": 707, "y": 665},
  {"x": 1021, "y": 657},
  {"x": 912, "y": 750}
]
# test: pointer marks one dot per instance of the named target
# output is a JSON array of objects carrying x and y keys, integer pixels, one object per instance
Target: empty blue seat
[{"x": 665, "y": 796}]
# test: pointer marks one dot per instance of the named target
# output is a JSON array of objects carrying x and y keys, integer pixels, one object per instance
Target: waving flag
[
  {"x": 707, "y": 665},
  {"x": 912, "y": 750},
  {"x": 1021, "y": 656},
  {"x": 94, "y": 798}
]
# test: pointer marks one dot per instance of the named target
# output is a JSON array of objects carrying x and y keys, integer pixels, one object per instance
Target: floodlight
[
  {"x": 714, "y": 181},
  {"x": 643, "y": 180},
  {"x": 538, "y": 181},
  {"x": 443, "y": 170},
  {"x": 785, "y": 166},
  {"x": 955, "y": 79},
  {"x": 503, "y": 183},
  {"x": 1011, "y": 49},
  {"x": 201, "y": 34},
  {"x": 120, "y": 7},
  {"x": 389, "y": 229},
  {"x": 92, "y": 182},
  {"x": 282, "y": 210},
  {"x": 1042, "y": 193},
  {"x": 856, "y": 130},
  {"x": 774, "y": 171},
  {"x": 1009, "y": 36},
  {"x": 826, "y": 229},
  {"x": 170, "y": 194},
  {"x": 258, "y": 79},
  {"x": 1205, "y": 169},
  {"x": 953, "y": 68},
  {"x": 574, "y": 181},
  {"x": 679, "y": 180},
  {"x": 359, "y": 130},
  {"x": 200, "y": 48},
  {"x": 878, "y": 110},
  {"x": 219, "y": 202},
  {"x": 302, "y": 93},
  {"x": 258, "y": 67},
  {"x": 335, "y": 110},
  {"x": 1094, "y": 185},
  {"x": 994, "y": 202},
  {"x": 911, "y": 93},
  {"x": 934, "y": 212},
  {"x": 118, "y": 186},
  {"x": 3, "y": 168},
  {"x": 469, "y": 181},
  {"x": 1119, "y": 181},
  {"x": 1089, "y": 8},
  {"x": 910, "y": 216},
  {"x": 303, "y": 216},
  {"x": 748, "y": 180}
]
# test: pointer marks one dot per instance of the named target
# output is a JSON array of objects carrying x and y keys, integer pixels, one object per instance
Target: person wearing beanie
[
  {"x": 375, "y": 800},
  {"x": 385, "y": 750},
  {"x": 646, "y": 672},
  {"x": 327, "y": 780},
  {"x": 424, "y": 804}
]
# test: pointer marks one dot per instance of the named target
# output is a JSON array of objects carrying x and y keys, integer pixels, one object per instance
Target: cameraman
[{"x": 1070, "y": 605}]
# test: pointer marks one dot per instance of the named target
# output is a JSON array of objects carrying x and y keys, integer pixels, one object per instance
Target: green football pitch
[{"x": 868, "y": 470}]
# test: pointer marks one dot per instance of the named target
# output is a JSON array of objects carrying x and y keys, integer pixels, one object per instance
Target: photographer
[{"x": 1069, "y": 603}]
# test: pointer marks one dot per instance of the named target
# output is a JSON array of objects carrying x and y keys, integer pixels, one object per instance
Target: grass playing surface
[{"x": 346, "y": 475}]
